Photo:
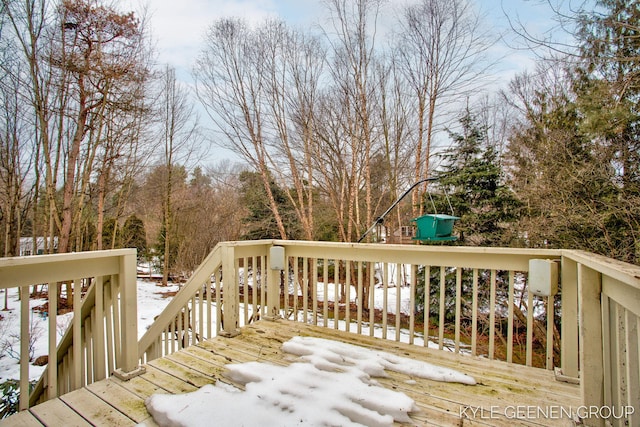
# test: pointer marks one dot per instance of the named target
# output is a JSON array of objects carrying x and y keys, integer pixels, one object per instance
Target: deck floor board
[
  {"x": 97, "y": 411},
  {"x": 56, "y": 413},
  {"x": 500, "y": 385}
]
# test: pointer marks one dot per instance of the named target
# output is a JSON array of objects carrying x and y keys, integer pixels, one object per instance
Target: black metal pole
[{"x": 380, "y": 219}]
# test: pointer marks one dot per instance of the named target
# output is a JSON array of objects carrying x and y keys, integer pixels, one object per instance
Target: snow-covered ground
[{"x": 152, "y": 299}]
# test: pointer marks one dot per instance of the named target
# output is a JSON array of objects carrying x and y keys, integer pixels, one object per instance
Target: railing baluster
[
  {"x": 336, "y": 294},
  {"x": 108, "y": 303},
  {"x": 88, "y": 333},
  {"x": 314, "y": 289},
  {"x": 529, "y": 350},
  {"x": 98, "y": 333},
  {"x": 385, "y": 298},
  {"x": 209, "y": 290},
  {"x": 254, "y": 288},
  {"x": 347, "y": 295},
  {"x": 218, "y": 286},
  {"x": 285, "y": 290},
  {"x": 52, "y": 372},
  {"x": 325, "y": 295},
  {"x": 492, "y": 314},
  {"x": 427, "y": 303},
  {"x": 63, "y": 377},
  {"x": 474, "y": 314},
  {"x": 458, "y": 308},
  {"x": 549, "y": 309},
  {"x": 619, "y": 356},
  {"x": 77, "y": 333},
  {"x": 191, "y": 328},
  {"x": 510, "y": 302},
  {"x": 399, "y": 284},
  {"x": 359, "y": 297},
  {"x": 441, "y": 308},
  {"x": 372, "y": 296},
  {"x": 245, "y": 289},
  {"x": 201, "y": 303},
  {"x": 117, "y": 326},
  {"x": 24, "y": 346},
  {"x": 263, "y": 286},
  {"x": 297, "y": 284},
  {"x": 305, "y": 289},
  {"x": 632, "y": 338},
  {"x": 412, "y": 302}
]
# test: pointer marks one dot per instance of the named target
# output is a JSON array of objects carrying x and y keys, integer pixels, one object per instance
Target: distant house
[
  {"x": 26, "y": 245},
  {"x": 402, "y": 235}
]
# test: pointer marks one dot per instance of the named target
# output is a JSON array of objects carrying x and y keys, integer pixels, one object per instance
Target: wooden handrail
[
  {"x": 600, "y": 304},
  {"x": 114, "y": 271},
  {"x": 203, "y": 274}
]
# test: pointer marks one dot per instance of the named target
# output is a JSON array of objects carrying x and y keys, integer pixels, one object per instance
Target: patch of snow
[
  {"x": 38, "y": 329},
  {"x": 334, "y": 355},
  {"x": 303, "y": 393}
]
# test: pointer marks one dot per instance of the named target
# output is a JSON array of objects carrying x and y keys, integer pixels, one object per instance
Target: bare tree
[
  {"x": 230, "y": 87},
  {"x": 16, "y": 146},
  {"x": 442, "y": 49},
  {"x": 352, "y": 37},
  {"x": 180, "y": 135},
  {"x": 28, "y": 28},
  {"x": 397, "y": 130},
  {"x": 293, "y": 63},
  {"x": 332, "y": 160},
  {"x": 97, "y": 49}
]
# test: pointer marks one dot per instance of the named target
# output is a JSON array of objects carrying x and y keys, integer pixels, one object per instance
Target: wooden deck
[{"x": 504, "y": 391}]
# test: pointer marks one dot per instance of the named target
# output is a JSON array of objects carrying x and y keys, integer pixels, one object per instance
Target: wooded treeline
[{"x": 102, "y": 148}]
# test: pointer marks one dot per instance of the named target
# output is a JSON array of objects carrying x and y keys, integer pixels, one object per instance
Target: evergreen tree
[
  {"x": 133, "y": 235},
  {"x": 553, "y": 170},
  {"x": 608, "y": 89},
  {"x": 471, "y": 180},
  {"x": 260, "y": 222},
  {"x": 110, "y": 233},
  {"x": 576, "y": 155}
]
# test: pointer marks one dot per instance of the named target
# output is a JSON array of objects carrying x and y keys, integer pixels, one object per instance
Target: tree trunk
[{"x": 69, "y": 184}]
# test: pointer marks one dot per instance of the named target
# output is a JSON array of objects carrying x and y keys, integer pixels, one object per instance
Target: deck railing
[
  {"x": 477, "y": 298},
  {"x": 102, "y": 338},
  {"x": 478, "y": 303},
  {"x": 459, "y": 299}
]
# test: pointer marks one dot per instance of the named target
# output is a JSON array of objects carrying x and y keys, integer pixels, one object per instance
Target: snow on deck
[{"x": 386, "y": 380}]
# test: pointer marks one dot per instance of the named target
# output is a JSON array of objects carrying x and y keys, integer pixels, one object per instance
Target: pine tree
[
  {"x": 471, "y": 180},
  {"x": 133, "y": 235},
  {"x": 260, "y": 222},
  {"x": 608, "y": 88}
]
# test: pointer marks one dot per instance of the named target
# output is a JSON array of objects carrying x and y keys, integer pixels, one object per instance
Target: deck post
[
  {"x": 569, "y": 345},
  {"x": 591, "y": 354},
  {"x": 230, "y": 297},
  {"x": 129, "y": 318}
]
